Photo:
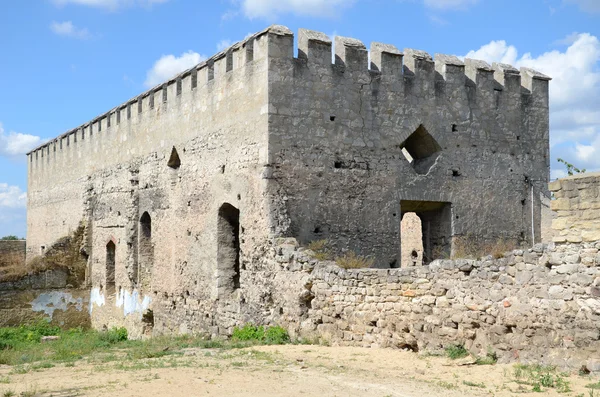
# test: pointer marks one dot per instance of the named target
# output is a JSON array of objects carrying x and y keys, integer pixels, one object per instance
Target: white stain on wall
[
  {"x": 131, "y": 302},
  {"x": 48, "y": 302},
  {"x": 96, "y": 298}
]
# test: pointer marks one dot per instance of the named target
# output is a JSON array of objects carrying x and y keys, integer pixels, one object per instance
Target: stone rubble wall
[
  {"x": 43, "y": 296},
  {"x": 536, "y": 305},
  {"x": 577, "y": 206},
  {"x": 12, "y": 252}
]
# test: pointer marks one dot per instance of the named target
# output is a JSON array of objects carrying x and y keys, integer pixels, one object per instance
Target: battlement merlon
[{"x": 277, "y": 42}]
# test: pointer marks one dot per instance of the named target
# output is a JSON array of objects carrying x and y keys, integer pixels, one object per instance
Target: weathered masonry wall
[
  {"x": 43, "y": 296},
  {"x": 478, "y": 135},
  {"x": 577, "y": 206},
  {"x": 151, "y": 188},
  {"x": 12, "y": 252},
  {"x": 193, "y": 194},
  {"x": 218, "y": 104}
]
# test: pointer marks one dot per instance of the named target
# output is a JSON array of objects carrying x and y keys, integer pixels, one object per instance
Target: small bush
[
  {"x": 456, "y": 351},
  {"x": 248, "y": 332},
  {"x": 352, "y": 261},
  {"x": 276, "y": 336},
  {"x": 114, "y": 335},
  {"x": 251, "y": 333}
]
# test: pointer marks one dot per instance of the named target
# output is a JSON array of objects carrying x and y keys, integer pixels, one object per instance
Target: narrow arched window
[
  {"x": 228, "y": 249},
  {"x": 143, "y": 271},
  {"x": 110, "y": 267}
]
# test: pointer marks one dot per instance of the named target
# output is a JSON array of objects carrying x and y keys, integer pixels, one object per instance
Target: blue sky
[{"x": 67, "y": 61}]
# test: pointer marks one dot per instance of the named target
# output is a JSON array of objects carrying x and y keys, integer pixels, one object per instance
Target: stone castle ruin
[{"x": 198, "y": 195}]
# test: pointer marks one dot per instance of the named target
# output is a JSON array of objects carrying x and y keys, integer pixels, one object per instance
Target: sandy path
[{"x": 276, "y": 371}]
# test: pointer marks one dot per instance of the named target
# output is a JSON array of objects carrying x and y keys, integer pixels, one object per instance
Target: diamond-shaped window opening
[
  {"x": 174, "y": 161},
  {"x": 421, "y": 150}
]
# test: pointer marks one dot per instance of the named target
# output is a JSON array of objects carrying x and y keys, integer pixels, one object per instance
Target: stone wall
[
  {"x": 536, "y": 305},
  {"x": 12, "y": 253},
  {"x": 187, "y": 190},
  {"x": 339, "y": 133},
  {"x": 577, "y": 207},
  {"x": 44, "y": 296}
]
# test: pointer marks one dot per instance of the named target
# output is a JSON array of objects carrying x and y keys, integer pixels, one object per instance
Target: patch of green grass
[
  {"x": 40, "y": 366},
  {"x": 24, "y": 351},
  {"x": 5, "y": 380},
  {"x": 456, "y": 351},
  {"x": 19, "y": 370},
  {"x": 22, "y": 345},
  {"x": 11, "y": 337},
  {"x": 593, "y": 386},
  {"x": 473, "y": 384},
  {"x": 541, "y": 377},
  {"x": 8, "y": 393},
  {"x": 446, "y": 385},
  {"x": 270, "y": 335}
]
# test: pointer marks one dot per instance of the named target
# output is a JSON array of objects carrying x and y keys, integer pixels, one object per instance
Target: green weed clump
[
  {"x": 114, "y": 335},
  {"x": 456, "y": 351},
  {"x": 490, "y": 358},
  {"x": 540, "y": 377},
  {"x": 270, "y": 335}
]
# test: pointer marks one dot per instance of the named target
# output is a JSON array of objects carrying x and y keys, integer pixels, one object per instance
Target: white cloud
[
  {"x": 15, "y": 144},
  {"x": 12, "y": 196},
  {"x": 587, "y": 5},
  {"x": 170, "y": 65},
  {"x": 110, "y": 4},
  {"x": 69, "y": 30},
  {"x": 495, "y": 51},
  {"x": 270, "y": 9},
  {"x": 449, "y": 4},
  {"x": 574, "y": 94},
  {"x": 223, "y": 44}
]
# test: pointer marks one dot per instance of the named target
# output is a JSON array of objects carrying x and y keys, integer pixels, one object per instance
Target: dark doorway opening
[{"x": 436, "y": 229}]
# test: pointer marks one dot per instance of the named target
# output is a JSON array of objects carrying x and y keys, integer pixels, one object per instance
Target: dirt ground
[{"x": 291, "y": 370}]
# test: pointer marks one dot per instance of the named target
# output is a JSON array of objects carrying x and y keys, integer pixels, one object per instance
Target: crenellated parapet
[
  {"x": 412, "y": 71},
  {"x": 214, "y": 70}
]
